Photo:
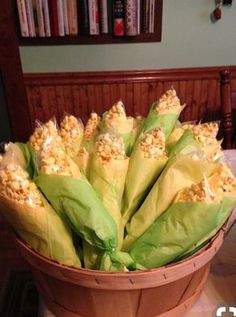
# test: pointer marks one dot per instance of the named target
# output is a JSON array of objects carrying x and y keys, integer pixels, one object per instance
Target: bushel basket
[{"x": 164, "y": 292}]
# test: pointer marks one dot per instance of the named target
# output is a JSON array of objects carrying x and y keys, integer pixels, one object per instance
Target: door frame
[{"x": 11, "y": 72}]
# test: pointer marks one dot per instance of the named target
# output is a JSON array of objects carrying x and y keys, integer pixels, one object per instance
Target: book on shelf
[
  {"x": 148, "y": 16},
  {"x": 83, "y": 18},
  {"x": 103, "y": 16},
  {"x": 53, "y": 18},
  {"x": 65, "y": 15},
  {"x": 30, "y": 18},
  {"x": 73, "y": 17},
  {"x": 118, "y": 18},
  {"x": 93, "y": 17},
  {"x": 151, "y": 16},
  {"x": 24, "y": 29},
  {"x": 46, "y": 18},
  {"x": 40, "y": 19},
  {"x": 52, "y": 6},
  {"x": 60, "y": 18},
  {"x": 132, "y": 17}
]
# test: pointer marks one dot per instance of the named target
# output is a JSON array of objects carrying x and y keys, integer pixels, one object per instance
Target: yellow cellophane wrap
[
  {"x": 42, "y": 229},
  {"x": 182, "y": 171}
]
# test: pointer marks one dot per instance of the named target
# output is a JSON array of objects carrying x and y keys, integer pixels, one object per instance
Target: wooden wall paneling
[
  {"x": 212, "y": 101},
  {"x": 137, "y": 98},
  {"x": 122, "y": 92},
  {"x": 51, "y": 100},
  {"x": 80, "y": 101},
  {"x": 91, "y": 99},
  {"x": 196, "y": 96},
  {"x": 226, "y": 101},
  {"x": 141, "y": 107},
  {"x": 99, "y": 98},
  {"x": 47, "y": 107},
  {"x": 59, "y": 104},
  {"x": 106, "y": 95},
  {"x": 83, "y": 92},
  {"x": 129, "y": 98},
  {"x": 35, "y": 104},
  {"x": 202, "y": 102},
  {"x": 182, "y": 90},
  {"x": 68, "y": 100},
  {"x": 160, "y": 88}
]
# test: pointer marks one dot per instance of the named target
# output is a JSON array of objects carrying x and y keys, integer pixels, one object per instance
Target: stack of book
[{"x": 52, "y": 18}]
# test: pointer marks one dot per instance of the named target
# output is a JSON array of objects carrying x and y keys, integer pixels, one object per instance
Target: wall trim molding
[{"x": 118, "y": 77}]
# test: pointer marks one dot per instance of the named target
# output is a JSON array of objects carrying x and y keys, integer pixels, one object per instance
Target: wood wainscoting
[{"x": 52, "y": 94}]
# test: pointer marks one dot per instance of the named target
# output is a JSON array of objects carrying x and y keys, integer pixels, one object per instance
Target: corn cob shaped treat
[
  {"x": 164, "y": 113},
  {"x": 60, "y": 181},
  {"x": 33, "y": 218},
  {"x": 146, "y": 163},
  {"x": 43, "y": 134},
  {"x": 116, "y": 122},
  {"x": 108, "y": 171},
  {"x": 71, "y": 131},
  {"x": 182, "y": 170},
  {"x": 205, "y": 134},
  {"x": 181, "y": 228},
  {"x": 91, "y": 132}
]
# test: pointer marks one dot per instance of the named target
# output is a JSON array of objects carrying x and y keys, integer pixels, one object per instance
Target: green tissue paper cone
[
  {"x": 179, "y": 229},
  {"x": 77, "y": 202}
]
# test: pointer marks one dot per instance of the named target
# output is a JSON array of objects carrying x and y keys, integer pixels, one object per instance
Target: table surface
[{"x": 220, "y": 289}]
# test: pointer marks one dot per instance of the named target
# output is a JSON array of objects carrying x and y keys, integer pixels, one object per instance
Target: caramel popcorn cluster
[
  {"x": 206, "y": 130},
  {"x": 116, "y": 111},
  {"x": 55, "y": 161},
  {"x": 108, "y": 148},
  {"x": 223, "y": 181},
  {"x": 71, "y": 132},
  {"x": 44, "y": 134},
  {"x": 169, "y": 100},
  {"x": 91, "y": 126},
  {"x": 16, "y": 185},
  {"x": 153, "y": 144},
  {"x": 198, "y": 193}
]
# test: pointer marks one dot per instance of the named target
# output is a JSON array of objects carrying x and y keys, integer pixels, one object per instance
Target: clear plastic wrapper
[
  {"x": 91, "y": 132},
  {"x": 71, "y": 131},
  {"x": 116, "y": 122},
  {"x": 164, "y": 113},
  {"x": 204, "y": 133}
]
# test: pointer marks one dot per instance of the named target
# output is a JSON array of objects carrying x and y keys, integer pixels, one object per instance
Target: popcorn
[
  {"x": 16, "y": 185},
  {"x": 117, "y": 110},
  {"x": 223, "y": 181},
  {"x": 221, "y": 184},
  {"x": 108, "y": 148},
  {"x": 55, "y": 161},
  {"x": 91, "y": 126},
  {"x": 168, "y": 101},
  {"x": 205, "y": 130},
  {"x": 43, "y": 135},
  {"x": 198, "y": 193},
  {"x": 71, "y": 131},
  {"x": 153, "y": 145}
]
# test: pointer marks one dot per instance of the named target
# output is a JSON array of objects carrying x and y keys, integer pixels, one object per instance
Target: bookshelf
[{"x": 95, "y": 39}]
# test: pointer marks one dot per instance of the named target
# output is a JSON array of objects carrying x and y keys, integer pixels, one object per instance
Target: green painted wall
[{"x": 189, "y": 39}]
